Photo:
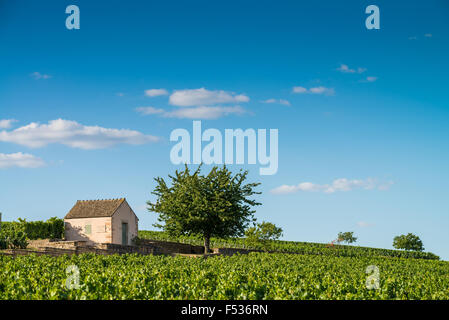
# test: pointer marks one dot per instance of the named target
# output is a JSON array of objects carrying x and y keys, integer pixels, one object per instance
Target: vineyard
[
  {"x": 294, "y": 247},
  {"x": 316, "y": 271},
  {"x": 252, "y": 276}
]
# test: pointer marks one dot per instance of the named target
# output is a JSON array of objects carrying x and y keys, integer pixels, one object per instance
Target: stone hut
[{"x": 101, "y": 221}]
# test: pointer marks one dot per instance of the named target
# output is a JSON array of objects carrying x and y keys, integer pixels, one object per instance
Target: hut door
[{"x": 124, "y": 233}]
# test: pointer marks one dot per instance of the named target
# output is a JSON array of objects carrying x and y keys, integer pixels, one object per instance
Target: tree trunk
[{"x": 206, "y": 244}]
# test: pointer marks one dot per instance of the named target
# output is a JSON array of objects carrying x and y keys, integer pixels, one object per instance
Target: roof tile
[{"x": 94, "y": 208}]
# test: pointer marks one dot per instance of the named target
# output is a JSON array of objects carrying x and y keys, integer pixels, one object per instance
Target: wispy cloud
[
  {"x": 156, "y": 92},
  {"x": 322, "y": 90},
  {"x": 341, "y": 184},
  {"x": 19, "y": 159},
  {"x": 202, "y": 112},
  {"x": 299, "y": 90},
  {"x": 385, "y": 185},
  {"x": 204, "y": 97},
  {"x": 426, "y": 35},
  {"x": 345, "y": 69},
  {"x": 314, "y": 90},
  {"x": 277, "y": 101},
  {"x": 73, "y": 134},
  {"x": 364, "y": 224},
  {"x": 198, "y": 104},
  {"x": 37, "y": 76},
  {"x": 369, "y": 79},
  {"x": 6, "y": 123},
  {"x": 149, "y": 110}
]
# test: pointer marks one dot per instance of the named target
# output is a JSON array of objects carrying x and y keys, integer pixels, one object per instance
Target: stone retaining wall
[
  {"x": 56, "y": 248},
  {"x": 173, "y": 247},
  {"x": 145, "y": 247},
  {"x": 231, "y": 251}
]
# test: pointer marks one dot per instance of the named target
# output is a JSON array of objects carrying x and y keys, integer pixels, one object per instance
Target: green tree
[
  {"x": 347, "y": 237},
  {"x": 215, "y": 205},
  {"x": 408, "y": 242},
  {"x": 261, "y": 234}
]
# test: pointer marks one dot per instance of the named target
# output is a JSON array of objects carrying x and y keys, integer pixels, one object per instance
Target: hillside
[
  {"x": 309, "y": 248},
  {"x": 319, "y": 272}
]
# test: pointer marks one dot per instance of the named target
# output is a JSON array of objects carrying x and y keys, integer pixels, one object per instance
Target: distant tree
[
  {"x": 408, "y": 242},
  {"x": 347, "y": 237},
  {"x": 261, "y": 233},
  {"x": 215, "y": 205}
]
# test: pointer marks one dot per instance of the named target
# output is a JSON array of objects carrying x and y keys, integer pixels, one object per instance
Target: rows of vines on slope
[
  {"x": 293, "y": 247},
  {"x": 253, "y": 276}
]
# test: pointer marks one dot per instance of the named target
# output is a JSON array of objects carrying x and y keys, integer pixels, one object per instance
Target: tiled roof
[{"x": 94, "y": 208}]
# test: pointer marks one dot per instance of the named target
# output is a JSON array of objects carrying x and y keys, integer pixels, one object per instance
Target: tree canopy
[
  {"x": 408, "y": 242},
  {"x": 214, "y": 205},
  {"x": 347, "y": 237},
  {"x": 261, "y": 234}
]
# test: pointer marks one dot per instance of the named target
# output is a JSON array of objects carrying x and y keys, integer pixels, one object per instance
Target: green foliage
[
  {"x": 408, "y": 242},
  {"x": 3, "y": 242},
  {"x": 215, "y": 205},
  {"x": 293, "y": 247},
  {"x": 253, "y": 276},
  {"x": 260, "y": 234},
  {"x": 347, "y": 237},
  {"x": 53, "y": 228},
  {"x": 13, "y": 237}
]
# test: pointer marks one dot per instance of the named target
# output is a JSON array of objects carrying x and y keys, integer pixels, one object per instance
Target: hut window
[{"x": 88, "y": 229}]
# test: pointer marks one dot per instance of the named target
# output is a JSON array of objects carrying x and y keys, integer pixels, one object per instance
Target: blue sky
[{"x": 374, "y": 112}]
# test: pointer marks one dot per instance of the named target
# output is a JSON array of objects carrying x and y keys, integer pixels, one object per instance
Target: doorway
[{"x": 124, "y": 233}]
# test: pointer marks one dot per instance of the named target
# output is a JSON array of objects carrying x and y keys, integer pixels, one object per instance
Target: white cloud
[
  {"x": 322, "y": 90},
  {"x": 364, "y": 224},
  {"x": 203, "y": 112},
  {"x": 38, "y": 76},
  {"x": 299, "y": 90},
  {"x": 6, "y": 123},
  {"x": 345, "y": 69},
  {"x": 426, "y": 35},
  {"x": 342, "y": 184},
  {"x": 369, "y": 79},
  {"x": 278, "y": 101},
  {"x": 204, "y": 97},
  {"x": 19, "y": 159},
  {"x": 315, "y": 90},
  {"x": 156, "y": 92},
  {"x": 149, "y": 110},
  {"x": 199, "y": 104},
  {"x": 73, "y": 134}
]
